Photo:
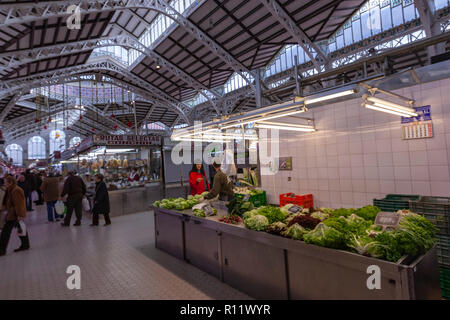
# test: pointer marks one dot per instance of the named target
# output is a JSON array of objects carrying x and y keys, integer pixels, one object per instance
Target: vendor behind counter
[{"x": 222, "y": 186}]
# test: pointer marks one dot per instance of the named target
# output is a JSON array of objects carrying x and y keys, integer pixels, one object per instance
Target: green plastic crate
[
  {"x": 443, "y": 251},
  {"x": 445, "y": 282},
  {"x": 395, "y": 202},
  {"x": 435, "y": 209},
  {"x": 258, "y": 200}
]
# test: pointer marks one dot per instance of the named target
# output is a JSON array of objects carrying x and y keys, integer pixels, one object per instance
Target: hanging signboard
[
  {"x": 127, "y": 140},
  {"x": 418, "y": 127}
]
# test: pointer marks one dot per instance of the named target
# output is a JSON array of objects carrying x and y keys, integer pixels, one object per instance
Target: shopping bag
[
  {"x": 21, "y": 229},
  {"x": 59, "y": 207},
  {"x": 86, "y": 204},
  {"x": 34, "y": 196}
]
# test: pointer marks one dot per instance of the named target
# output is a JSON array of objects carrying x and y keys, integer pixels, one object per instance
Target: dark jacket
[
  {"x": 50, "y": 189},
  {"x": 101, "y": 200},
  {"x": 74, "y": 185},
  {"x": 221, "y": 187},
  {"x": 25, "y": 187},
  {"x": 15, "y": 204},
  {"x": 31, "y": 180}
]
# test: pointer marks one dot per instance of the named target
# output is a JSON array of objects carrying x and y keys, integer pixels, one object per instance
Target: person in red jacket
[{"x": 197, "y": 179}]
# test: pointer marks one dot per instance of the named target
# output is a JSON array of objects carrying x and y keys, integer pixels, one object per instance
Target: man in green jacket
[{"x": 221, "y": 186}]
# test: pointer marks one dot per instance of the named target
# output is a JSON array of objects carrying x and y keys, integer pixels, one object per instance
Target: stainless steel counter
[
  {"x": 267, "y": 266},
  {"x": 133, "y": 200}
]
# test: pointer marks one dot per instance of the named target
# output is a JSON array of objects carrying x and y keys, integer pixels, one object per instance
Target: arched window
[
  {"x": 57, "y": 141},
  {"x": 36, "y": 148},
  {"x": 15, "y": 152},
  {"x": 74, "y": 141}
]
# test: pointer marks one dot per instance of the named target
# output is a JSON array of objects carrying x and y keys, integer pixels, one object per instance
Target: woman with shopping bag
[
  {"x": 16, "y": 212},
  {"x": 101, "y": 201}
]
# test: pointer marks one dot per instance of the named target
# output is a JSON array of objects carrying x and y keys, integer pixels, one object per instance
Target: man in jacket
[
  {"x": 50, "y": 191},
  {"x": 222, "y": 186},
  {"x": 75, "y": 189},
  {"x": 16, "y": 211},
  {"x": 39, "y": 181},
  {"x": 30, "y": 180}
]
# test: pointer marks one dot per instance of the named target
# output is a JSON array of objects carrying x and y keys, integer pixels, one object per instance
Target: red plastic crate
[{"x": 304, "y": 200}]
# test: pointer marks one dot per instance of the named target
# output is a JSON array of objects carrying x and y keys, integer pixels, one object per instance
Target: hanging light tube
[
  {"x": 376, "y": 108},
  {"x": 285, "y": 126},
  {"x": 387, "y": 105},
  {"x": 202, "y": 140},
  {"x": 269, "y": 117},
  {"x": 329, "y": 96}
]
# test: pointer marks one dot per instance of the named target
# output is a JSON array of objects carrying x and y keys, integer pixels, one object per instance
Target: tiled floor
[{"x": 116, "y": 262}]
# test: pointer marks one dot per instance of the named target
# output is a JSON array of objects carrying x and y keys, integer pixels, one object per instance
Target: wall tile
[
  {"x": 343, "y": 148},
  {"x": 439, "y": 173},
  {"x": 421, "y": 187},
  {"x": 417, "y": 145},
  {"x": 371, "y": 172},
  {"x": 334, "y": 185},
  {"x": 344, "y": 160},
  {"x": 332, "y": 162},
  {"x": 420, "y": 173},
  {"x": 372, "y": 186},
  {"x": 399, "y": 144},
  {"x": 387, "y": 186},
  {"x": 400, "y": 158},
  {"x": 437, "y": 157},
  {"x": 324, "y": 196},
  {"x": 357, "y": 172},
  {"x": 346, "y": 185},
  {"x": 359, "y": 198},
  {"x": 335, "y": 197},
  {"x": 403, "y": 187},
  {"x": 313, "y": 173},
  {"x": 418, "y": 158},
  {"x": 384, "y": 159},
  {"x": 356, "y": 160},
  {"x": 402, "y": 173},
  {"x": 332, "y": 150},
  {"x": 436, "y": 143},
  {"x": 322, "y": 173},
  {"x": 370, "y": 159},
  {"x": 332, "y": 173},
  {"x": 345, "y": 173},
  {"x": 355, "y": 147},
  {"x": 383, "y": 133},
  {"x": 440, "y": 188},
  {"x": 347, "y": 197},
  {"x": 386, "y": 173},
  {"x": 384, "y": 145},
  {"x": 322, "y": 185},
  {"x": 358, "y": 185}
]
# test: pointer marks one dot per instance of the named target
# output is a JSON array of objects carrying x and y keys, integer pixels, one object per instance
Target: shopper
[
  {"x": 101, "y": 201},
  {"x": 22, "y": 183},
  {"x": 30, "y": 179},
  {"x": 133, "y": 175},
  {"x": 50, "y": 191},
  {"x": 222, "y": 186},
  {"x": 39, "y": 181},
  {"x": 16, "y": 211},
  {"x": 75, "y": 189},
  {"x": 197, "y": 179}
]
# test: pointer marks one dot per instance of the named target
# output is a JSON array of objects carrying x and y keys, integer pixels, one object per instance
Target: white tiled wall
[{"x": 358, "y": 154}]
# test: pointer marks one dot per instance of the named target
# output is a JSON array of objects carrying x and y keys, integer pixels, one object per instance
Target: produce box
[
  {"x": 395, "y": 202},
  {"x": 258, "y": 200},
  {"x": 445, "y": 282},
  {"x": 435, "y": 209},
  {"x": 443, "y": 251},
  {"x": 305, "y": 200}
]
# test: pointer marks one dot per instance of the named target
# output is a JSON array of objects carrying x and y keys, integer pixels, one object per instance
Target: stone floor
[{"x": 116, "y": 262}]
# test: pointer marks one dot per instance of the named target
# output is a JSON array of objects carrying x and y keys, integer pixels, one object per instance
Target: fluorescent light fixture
[
  {"x": 201, "y": 140},
  {"x": 312, "y": 100},
  {"x": 233, "y": 136},
  {"x": 398, "y": 113},
  {"x": 386, "y": 106},
  {"x": 285, "y": 126},
  {"x": 186, "y": 133},
  {"x": 269, "y": 117}
]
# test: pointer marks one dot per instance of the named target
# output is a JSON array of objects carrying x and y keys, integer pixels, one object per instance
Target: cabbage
[
  {"x": 276, "y": 228},
  {"x": 157, "y": 203},
  {"x": 325, "y": 236},
  {"x": 257, "y": 222},
  {"x": 285, "y": 208},
  {"x": 249, "y": 214},
  {"x": 295, "y": 231},
  {"x": 319, "y": 215}
]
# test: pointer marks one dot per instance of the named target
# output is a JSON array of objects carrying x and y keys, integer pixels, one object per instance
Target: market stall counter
[{"x": 268, "y": 266}]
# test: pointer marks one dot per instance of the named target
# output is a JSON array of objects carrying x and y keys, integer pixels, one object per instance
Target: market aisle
[{"x": 117, "y": 262}]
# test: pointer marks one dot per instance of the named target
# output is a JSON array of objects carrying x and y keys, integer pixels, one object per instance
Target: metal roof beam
[
  {"x": 297, "y": 33},
  {"x": 9, "y": 106},
  {"x": 20, "y": 13}
]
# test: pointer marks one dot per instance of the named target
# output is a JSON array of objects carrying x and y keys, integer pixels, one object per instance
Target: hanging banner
[{"x": 127, "y": 140}]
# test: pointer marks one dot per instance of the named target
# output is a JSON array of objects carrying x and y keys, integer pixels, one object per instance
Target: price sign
[
  {"x": 387, "y": 219},
  {"x": 294, "y": 209},
  {"x": 208, "y": 210},
  {"x": 246, "y": 197}
]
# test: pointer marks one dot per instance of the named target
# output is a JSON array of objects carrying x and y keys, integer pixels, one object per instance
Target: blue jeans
[
  {"x": 29, "y": 203},
  {"x": 51, "y": 210}
]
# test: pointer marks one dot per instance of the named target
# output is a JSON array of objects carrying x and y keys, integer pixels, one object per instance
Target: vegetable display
[
  {"x": 179, "y": 204},
  {"x": 238, "y": 206},
  {"x": 295, "y": 231},
  {"x": 305, "y": 221},
  {"x": 276, "y": 228},
  {"x": 230, "y": 218},
  {"x": 257, "y": 222},
  {"x": 201, "y": 213}
]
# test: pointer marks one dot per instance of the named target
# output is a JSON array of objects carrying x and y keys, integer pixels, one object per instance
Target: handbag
[
  {"x": 86, "y": 204},
  {"x": 34, "y": 196},
  {"x": 59, "y": 207},
  {"x": 21, "y": 229}
]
